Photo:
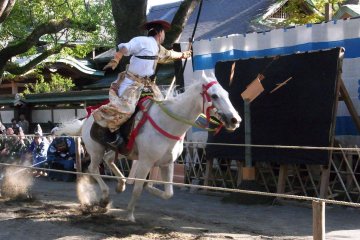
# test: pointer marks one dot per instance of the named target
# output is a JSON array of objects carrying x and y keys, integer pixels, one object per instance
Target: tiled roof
[
  {"x": 218, "y": 17},
  {"x": 351, "y": 9}
]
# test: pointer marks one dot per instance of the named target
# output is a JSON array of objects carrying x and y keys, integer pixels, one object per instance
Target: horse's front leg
[
  {"x": 109, "y": 159},
  {"x": 167, "y": 174},
  {"x": 142, "y": 171}
]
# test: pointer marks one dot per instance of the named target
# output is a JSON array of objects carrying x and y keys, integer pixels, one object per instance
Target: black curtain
[{"x": 300, "y": 113}]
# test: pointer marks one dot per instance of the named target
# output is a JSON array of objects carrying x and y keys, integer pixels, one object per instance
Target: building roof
[
  {"x": 67, "y": 97},
  {"x": 349, "y": 10},
  {"x": 218, "y": 17},
  {"x": 81, "y": 65}
]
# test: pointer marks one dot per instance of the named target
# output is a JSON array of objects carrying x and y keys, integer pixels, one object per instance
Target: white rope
[
  {"x": 278, "y": 195},
  {"x": 243, "y": 145},
  {"x": 277, "y": 146}
]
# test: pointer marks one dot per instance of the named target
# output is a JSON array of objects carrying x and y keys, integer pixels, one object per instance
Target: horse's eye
[{"x": 214, "y": 96}]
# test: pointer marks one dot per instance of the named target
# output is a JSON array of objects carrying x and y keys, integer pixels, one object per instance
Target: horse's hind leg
[
  {"x": 109, "y": 158},
  {"x": 167, "y": 173},
  {"x": 141, "y": 173}
]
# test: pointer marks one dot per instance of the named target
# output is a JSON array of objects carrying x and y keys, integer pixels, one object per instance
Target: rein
[
  {"x": 146, "y": 116},
  {"x": 142, "y": 121},
  {"x": 206, "y": 97}
]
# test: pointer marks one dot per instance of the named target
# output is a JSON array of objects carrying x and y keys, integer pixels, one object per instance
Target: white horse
[{"x": 154, "y": 147}]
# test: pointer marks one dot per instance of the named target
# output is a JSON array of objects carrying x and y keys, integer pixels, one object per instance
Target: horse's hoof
[
  {"x": 104, "y": 202},
  {"x": 121, "y": 186},
  {"x": 130, "y": 218}
]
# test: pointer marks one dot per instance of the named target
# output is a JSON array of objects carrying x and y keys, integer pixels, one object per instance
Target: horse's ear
[
  {"x": 212, "y": 76},
  {"x": 208, "y": 75}
]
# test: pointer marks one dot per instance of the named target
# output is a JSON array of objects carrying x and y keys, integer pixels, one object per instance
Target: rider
[{"x": 125, "y": 92}]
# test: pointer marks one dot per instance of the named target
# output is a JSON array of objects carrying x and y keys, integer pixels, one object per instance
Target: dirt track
[{"x": 55, "y": 214}]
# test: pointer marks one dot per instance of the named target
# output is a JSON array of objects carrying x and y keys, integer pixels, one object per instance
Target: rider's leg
[{"x": 104, "y": 136}]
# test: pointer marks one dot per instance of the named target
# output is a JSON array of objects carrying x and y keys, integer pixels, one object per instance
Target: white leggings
[{"x": 125, "y": 83}]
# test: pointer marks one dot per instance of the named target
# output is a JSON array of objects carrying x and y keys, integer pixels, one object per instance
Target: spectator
[
  {"x": 15, "y": 126},
  {"x": 61, "y": 156},
  {"x": 38, "y": 149},
  {"x": 10, "y": 137},
  {"x": 14, "y": 146},
  {"x": 2, "y": 129},
  {"x": 24, "y": 124}
]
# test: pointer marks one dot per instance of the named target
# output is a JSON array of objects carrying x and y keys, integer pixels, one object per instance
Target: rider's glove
[{"x": 112, "y": 64}]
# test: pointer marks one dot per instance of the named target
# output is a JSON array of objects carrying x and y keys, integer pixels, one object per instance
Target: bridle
[
  {"x": 206, "y": 98},
  {"x": 146, "y": 117}
]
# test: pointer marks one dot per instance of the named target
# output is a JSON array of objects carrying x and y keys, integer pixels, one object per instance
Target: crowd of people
[{"x": 18, "y": 146}]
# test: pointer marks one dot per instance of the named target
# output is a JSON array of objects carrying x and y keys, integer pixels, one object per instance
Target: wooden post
[
  {"x": 14, "y": 87},
  {"x": 324, "y": 184},
  {"x": 248, "y": 172},
  {"x": 208, "y": 171},
  {"x": 239, "y": 165},
  {"x": 348, "y": 158},
  {"x": 179, "y": 173},
  {"x": 282, "y": 179},
  {"x": 349, "y": 104},
  {"x": 78, "y": 154},
  {"x": 328, "y": 12},
  {"x": 318, "y": 220}
]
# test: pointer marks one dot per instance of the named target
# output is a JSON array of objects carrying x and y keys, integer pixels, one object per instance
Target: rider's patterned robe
[{"x": 126, "y": 90}]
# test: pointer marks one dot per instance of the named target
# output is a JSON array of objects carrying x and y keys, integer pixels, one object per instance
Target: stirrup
[{"x": 117, "y": 143}]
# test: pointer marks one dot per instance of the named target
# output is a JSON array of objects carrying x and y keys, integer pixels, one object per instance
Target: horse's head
[{"x": 219, "y": 102}]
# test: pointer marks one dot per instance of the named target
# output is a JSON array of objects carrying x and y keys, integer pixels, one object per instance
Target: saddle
[{"x": 103, "y": 135}]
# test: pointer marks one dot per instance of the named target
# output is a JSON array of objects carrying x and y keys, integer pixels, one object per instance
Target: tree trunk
[
  {"x": 179, "y": 21},
  {"x": 5, "y": 8},
  {"x": 129, "y": 16}
]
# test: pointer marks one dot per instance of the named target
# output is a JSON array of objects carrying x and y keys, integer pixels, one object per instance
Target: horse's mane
[{"x": 182, "y": 95}]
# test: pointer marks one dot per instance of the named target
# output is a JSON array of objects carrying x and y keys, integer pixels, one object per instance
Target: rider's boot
[
  {"x": 117, "y": 143},
  {"x": 113, "y": 140}
]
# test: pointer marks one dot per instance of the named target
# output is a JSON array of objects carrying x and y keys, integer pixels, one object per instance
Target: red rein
[{"x": 134, "y": 133}]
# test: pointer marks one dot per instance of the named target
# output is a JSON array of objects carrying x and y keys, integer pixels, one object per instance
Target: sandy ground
[{"x": 54, "y": 213}]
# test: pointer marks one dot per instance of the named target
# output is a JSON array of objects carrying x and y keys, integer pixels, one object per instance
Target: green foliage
[
  {"x": 28, "y": 14},
  {"x": 58, "y": 83},
  {"x": 298, "y": 13},
  {"x": 77, "y": 51}
]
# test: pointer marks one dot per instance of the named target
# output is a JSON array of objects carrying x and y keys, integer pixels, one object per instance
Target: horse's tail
[{"x": 71, "y": 128}]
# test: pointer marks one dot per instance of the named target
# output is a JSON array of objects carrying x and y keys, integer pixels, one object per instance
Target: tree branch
[
  {"x": 46, "y": 28},
  {"x": 5, "y": 8},
  {"x": 30, "y": 75},
  {"x": 17, "y": 70}
]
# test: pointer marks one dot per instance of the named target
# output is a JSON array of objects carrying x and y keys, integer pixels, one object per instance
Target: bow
[{"x": 191, "y": 40}]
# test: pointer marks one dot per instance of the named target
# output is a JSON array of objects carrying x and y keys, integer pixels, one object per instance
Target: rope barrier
[
  {"x": 357, "y": 149},
  {"x": 278, "y": 195},
  {"x": 278, "y": 146}
]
